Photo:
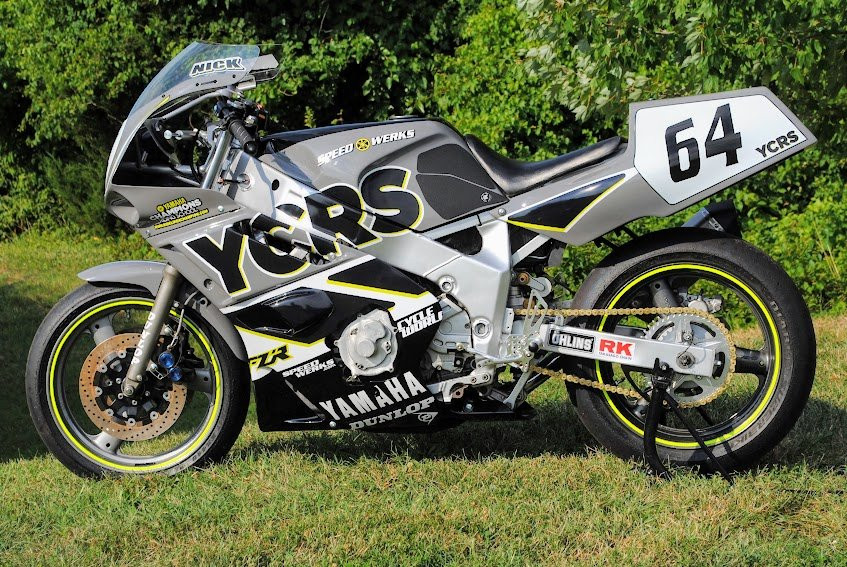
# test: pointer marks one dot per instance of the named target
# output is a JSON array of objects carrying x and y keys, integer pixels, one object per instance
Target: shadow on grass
[
  {"x": 819, "y": 440},
  {"x": 19, "y": 319}
]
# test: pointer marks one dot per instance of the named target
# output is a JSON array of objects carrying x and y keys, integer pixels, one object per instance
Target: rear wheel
[
  {"x": 76, "y": 365},
  {"x": 770, "y": 327}
]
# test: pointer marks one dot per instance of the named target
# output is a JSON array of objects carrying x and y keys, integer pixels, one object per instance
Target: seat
[{"x": 514, "y": 176}]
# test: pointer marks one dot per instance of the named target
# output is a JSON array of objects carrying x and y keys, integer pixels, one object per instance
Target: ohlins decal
[
  {"x": 572, "y": 341},
  {"x": 269, "y": 358},
  {"x": 216, "y": 66},
  {"x": 418, "y": 321},
  {"x": 177, "y": 211},
  {"x": 340, "y": 209},
  {"x": 392, "y": 392},
  {"x": 364, "y": 144}
]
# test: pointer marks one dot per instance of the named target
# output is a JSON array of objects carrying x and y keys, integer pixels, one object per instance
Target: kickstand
[{"x": 659, "y": 397}]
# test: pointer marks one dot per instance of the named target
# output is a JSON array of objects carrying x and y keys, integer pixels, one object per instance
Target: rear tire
[
  {"x": 782, "y": 305},
  {"x": 67, "y": 441}
]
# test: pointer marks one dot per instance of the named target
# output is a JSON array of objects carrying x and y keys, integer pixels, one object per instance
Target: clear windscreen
[{"x": 199, "y": 67}]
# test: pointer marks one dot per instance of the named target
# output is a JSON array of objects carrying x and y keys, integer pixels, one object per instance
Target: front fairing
[{"x": 199, "y": 68}]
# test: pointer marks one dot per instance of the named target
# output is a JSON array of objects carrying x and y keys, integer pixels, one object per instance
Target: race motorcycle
[{"x": 392, "y": 276}]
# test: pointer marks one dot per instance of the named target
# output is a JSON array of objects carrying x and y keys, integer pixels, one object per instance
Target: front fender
[{"x": 148, "y": 275}]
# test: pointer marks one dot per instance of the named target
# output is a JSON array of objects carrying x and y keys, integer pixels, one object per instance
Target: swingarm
[{"x": 683, "y": 357}]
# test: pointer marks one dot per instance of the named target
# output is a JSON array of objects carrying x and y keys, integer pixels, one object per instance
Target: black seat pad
[{"x": 514, "y": 176}]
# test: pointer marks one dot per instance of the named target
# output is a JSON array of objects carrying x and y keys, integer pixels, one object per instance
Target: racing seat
[{"x": 515, "y": 177}]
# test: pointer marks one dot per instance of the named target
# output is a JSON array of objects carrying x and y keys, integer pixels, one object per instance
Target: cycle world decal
[
  {"x": 392, "y": 399},
  {"x": 216, "y": 66},
  {"x": 419, "y": 321},
  {"x": 364, "y": 144},
  {"x": 177, "y": 211},
  {"x": 573, "y": 341}
]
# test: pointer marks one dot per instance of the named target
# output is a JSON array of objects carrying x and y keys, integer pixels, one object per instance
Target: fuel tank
[{"x": 416, "y": 173}]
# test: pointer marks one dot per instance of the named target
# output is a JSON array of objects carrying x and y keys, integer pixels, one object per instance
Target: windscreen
[{"x": 201, "y": 66}]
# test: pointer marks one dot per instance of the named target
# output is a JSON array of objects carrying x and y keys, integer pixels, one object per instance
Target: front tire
[
  {"x": 786, "y": 357},
  {"x": 94, "y": 445}
]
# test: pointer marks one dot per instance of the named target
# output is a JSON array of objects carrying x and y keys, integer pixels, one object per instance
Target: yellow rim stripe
[
  {"x": 134, "y": 468},
  {"x": 774, "y": 376}
]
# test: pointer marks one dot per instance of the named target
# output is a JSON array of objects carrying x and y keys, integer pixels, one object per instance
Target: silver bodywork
[{"x": 239, "y": 189}]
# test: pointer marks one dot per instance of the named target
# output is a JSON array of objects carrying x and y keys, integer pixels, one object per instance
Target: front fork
[{"x": 171, "y": 280}]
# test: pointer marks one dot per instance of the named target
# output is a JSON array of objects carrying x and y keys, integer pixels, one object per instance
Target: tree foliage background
[{"x": 534, "y": 78}]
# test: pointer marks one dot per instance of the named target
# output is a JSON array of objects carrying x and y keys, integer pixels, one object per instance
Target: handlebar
[{"x": 248, "y": 142}]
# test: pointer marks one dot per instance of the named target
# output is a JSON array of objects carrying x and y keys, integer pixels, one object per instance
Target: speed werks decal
[
  {"x": 216, "y": 66},
  {"x": 392, "y": 399},
  {"x": 364, "y": 144},
  {"x": 316, "y": 365}
]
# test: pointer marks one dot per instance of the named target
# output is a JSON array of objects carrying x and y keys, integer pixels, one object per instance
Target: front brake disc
[{"x": 152, "y": 413}]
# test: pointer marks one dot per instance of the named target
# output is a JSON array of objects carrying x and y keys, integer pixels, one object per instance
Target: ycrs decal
[
  {"x": 339, "y": 210},
  {"x": 228, "y": 255}
]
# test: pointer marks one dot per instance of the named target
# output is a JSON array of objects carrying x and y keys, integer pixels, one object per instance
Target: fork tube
[
  {"x": 171, "y": 279},
  {"x": 218, "y": 156}
]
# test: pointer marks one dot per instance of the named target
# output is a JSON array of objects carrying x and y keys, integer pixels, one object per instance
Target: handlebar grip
[{"x": 245, "y": 138}]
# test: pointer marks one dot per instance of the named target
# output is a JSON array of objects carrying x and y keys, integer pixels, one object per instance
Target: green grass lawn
[{"x": 492, "y": 494}]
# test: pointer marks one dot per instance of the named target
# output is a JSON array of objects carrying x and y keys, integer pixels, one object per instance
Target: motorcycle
[{"x": 392, "y": 276}]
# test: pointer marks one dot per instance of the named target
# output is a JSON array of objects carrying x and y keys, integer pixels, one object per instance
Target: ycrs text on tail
[{"x": 383, "y": 276}]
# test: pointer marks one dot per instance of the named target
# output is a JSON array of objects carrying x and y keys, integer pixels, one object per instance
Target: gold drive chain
[{"x": 628, "y": 392}]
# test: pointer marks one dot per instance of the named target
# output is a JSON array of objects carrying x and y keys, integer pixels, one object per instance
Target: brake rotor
[
  {"x": 132, "y": 419},
  {"x": 696, "y": 331}
]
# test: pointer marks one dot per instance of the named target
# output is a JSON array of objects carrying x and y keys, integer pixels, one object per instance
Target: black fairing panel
[{"x": 315, "y": 392}]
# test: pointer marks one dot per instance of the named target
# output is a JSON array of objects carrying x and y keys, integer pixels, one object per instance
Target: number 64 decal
[{"x": 728, "y": 144}]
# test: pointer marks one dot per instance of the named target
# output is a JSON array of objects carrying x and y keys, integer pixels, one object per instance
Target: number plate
[{"x": 686, "y": 148}]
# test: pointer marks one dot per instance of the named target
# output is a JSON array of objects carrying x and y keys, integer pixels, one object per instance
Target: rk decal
[{"x": 617, "y": 349}]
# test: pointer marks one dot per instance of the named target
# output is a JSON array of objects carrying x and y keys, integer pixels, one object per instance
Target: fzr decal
[
  {"x": 618, "y": 349},
  {"x": 216, "y": 66},
  {"x": 269, "y": 358}
]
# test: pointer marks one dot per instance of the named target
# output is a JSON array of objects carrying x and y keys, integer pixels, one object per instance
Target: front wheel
[
  {"x": 80, "y": 356},
  {"x": 769, "y": 324}
]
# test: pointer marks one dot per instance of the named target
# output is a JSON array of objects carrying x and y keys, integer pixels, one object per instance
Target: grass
[{"x": 492, "y": 494}]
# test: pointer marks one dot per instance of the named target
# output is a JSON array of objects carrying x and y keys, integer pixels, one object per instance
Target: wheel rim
[
  {"x": 735, "y": 422},
  {"x": 170, "y": 447}
]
